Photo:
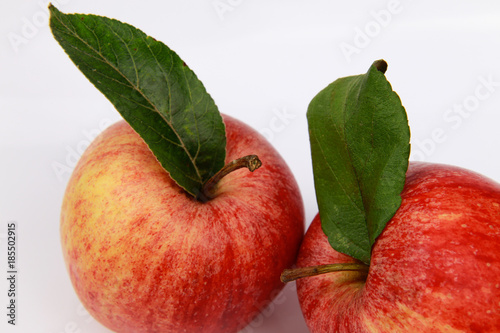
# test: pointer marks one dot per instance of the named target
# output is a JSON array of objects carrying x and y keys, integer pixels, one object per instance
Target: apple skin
[
  {"x": 144, "y": 256},
  {"x": 434, "y": 268}
]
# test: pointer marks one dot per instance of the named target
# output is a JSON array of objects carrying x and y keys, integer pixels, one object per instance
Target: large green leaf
[
  {"x": 153, "y": 89},
  {"x": 360, "y": 147}
]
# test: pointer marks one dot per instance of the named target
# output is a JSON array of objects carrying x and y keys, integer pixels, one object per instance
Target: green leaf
[
  {"x": 154, "y": 91},
  {"x": 360, "y": 147}
]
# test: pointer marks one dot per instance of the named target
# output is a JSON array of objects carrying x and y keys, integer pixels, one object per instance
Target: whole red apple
[
  {"x": 434, "y": 268},
  {"x": 145, "y": 256}
]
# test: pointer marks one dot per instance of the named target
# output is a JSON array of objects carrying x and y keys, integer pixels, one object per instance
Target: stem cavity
[
  {"x": 251, "y": 162},
  {"x": 289, "y": 275}
]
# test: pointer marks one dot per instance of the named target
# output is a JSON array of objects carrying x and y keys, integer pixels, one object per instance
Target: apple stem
[
  {"x": 251, "y": 162},
  {"x": 289, "y": 275}
]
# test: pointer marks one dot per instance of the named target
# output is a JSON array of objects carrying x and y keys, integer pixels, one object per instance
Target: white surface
[{"x": 256, "y": 58}]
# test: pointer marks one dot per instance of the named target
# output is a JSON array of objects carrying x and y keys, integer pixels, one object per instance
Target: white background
[{"x": 258, "y": 59}]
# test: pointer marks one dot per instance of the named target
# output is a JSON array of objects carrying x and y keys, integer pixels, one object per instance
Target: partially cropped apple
[
  {"x": 434, "y": 268},
  {"x": 145, "y": 256}
]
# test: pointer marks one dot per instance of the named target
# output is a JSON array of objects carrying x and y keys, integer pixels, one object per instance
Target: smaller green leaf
[
  {"x": 154, "y": 91},
  {"x": 360, "y": 145}
]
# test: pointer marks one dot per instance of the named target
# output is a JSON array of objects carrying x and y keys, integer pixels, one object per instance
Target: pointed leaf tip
[{"x": 380, "y": 65}]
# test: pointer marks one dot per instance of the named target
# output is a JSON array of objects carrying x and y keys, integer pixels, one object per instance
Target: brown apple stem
[
  {"x": 289, "y": 275},
  {"x": 251, "y": 162}
]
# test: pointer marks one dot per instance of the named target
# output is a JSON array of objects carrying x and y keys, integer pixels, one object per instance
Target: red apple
[
  {"x": 144, "y": 256},
  {"x": 434, "y": 268}
]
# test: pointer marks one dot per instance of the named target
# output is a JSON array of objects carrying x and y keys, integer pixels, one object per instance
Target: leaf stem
[
  {"x": 251, "y": 162},
  {"x": 289, "y": 275}
]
